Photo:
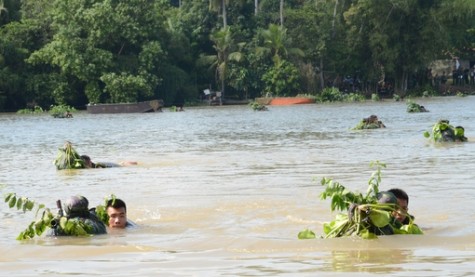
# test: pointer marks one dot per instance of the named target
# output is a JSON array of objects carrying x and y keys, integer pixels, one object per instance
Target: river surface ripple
[{"x": 225, "y": 190}]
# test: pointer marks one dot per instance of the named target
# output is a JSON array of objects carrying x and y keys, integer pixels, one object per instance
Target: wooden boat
[
  {"x": 448, "y": 89},
  {"x": 139, "y": 107},
  {"x": 235, "y": 102},
  {"x": 280, "y": 101}
]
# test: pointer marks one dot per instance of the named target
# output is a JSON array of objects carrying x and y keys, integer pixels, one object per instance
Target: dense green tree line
[{"x": 76, "y": 52}]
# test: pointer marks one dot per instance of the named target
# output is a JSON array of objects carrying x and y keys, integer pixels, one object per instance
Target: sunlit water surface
[{"x": 225, "y": 190}]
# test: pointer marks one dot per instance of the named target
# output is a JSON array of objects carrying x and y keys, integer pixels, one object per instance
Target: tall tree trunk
[
  {"x": 402, "y": 86},
  {"x": 282, "y": 13},
  {"x": 334, "y": 18},
  {"x": 2, "y": 8},
  {"x": 222, "y": 92},
  {"x": 322, "y": 80},
  {"x": 256, "y": 7},
  {"x": 225, "y": 20}
]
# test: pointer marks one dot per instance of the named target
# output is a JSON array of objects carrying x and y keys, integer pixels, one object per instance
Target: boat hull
[
  {"x": 281, "y": 101},
  {"x": 139, "y": 107}
]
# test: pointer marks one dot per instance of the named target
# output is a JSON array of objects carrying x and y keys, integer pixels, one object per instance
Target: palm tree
[
  {"x": 275, "y": 43},
  {"x": 223, "y": 43}
]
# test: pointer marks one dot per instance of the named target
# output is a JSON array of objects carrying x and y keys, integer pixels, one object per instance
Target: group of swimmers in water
[{"x": 77, "y": 207}]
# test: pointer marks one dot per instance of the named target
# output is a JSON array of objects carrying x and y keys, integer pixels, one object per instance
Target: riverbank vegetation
[{"x": 78, "y": 52}]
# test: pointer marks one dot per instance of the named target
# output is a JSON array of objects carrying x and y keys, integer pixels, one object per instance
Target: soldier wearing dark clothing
[{"x": 76, "y": 209}]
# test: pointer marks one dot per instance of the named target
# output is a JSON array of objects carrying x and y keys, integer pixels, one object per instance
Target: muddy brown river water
[{"x": 225, "y": 190}]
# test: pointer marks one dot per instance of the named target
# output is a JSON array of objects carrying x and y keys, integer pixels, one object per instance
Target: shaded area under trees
[{"x": 77, "y": 52}]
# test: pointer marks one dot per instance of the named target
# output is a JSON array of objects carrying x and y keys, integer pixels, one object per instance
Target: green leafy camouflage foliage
[
  {"x": 60, "y": 223},
  {"x": 61, "y": 111},
  {"x": 413, "y": 107},
  {"x": 68, "y": 158},
  {"x": 371, "y": 122},
  {"x": 364, "y": 216},
  {"x": 45, "y": 219},
  {"x": 101, "y": 210},
  {"x": 257, "y": 107},
  {"x": 442, "y": 131}
]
